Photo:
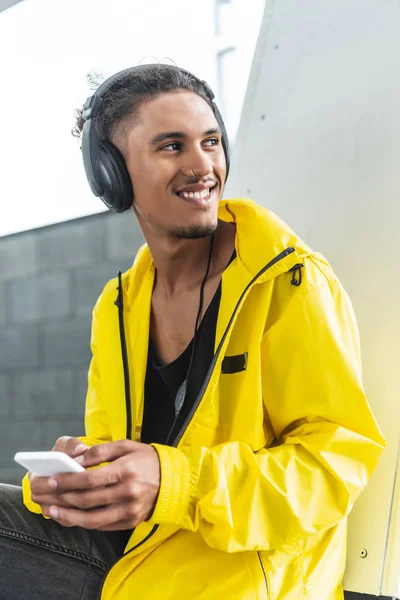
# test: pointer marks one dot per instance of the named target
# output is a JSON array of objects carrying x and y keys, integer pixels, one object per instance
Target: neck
[{"x": 181, "y": 263}]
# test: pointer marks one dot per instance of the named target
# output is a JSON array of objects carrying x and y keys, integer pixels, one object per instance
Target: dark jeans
[{"x": 41, "y": 560}]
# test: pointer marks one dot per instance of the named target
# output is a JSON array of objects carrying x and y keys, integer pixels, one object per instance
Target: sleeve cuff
[
  {"x": 174, "y": 495},
  {"x": 26, "y": 495}
]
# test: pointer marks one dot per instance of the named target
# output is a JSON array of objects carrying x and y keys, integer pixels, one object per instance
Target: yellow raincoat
[{"x": 256, "y": 490}]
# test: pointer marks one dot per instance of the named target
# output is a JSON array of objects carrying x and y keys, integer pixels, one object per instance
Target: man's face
[{"x": 177, "y": 137}]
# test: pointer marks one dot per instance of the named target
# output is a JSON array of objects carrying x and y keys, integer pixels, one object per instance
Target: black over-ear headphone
[{"x": 104, "y": 164}]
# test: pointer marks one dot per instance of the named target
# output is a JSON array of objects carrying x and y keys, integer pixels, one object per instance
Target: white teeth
[{"x": 196, "y": 195}]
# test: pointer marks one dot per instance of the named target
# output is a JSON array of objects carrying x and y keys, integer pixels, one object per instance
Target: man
[{"x": 225, "y": 412}]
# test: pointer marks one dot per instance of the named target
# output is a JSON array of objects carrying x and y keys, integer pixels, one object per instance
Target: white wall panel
[{"x": 319, "y": 143}]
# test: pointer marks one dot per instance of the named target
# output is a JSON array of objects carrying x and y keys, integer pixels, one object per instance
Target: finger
[
  {"x": 45, "y": 510},
  {"x": 70, "y": 445},
  {"x": 93, "y": 519},
  {"x": 103, "y": 453},
  {"x": 119, "y": 526},
  {"x": 50, "y": 500},
  {"x": 100, "y": 497},
  {"x": 40, "y": 486},
  {"x": 61, "y": 443},
  {"x": 76, "y": 448},
  {"x": 86, "y": 480}
]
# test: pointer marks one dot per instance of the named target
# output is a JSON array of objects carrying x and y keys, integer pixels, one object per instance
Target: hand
[
  {"x": 41, "y": 492},
  {"x": 119, "y": 495}
]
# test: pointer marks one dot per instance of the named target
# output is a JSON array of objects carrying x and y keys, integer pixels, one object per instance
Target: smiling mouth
[
  {"x": 196, "y": 195},
  {"x": 202, "y": 195}
]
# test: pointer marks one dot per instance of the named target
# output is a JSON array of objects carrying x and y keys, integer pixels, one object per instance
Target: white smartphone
[{"x": 45, "y": 464}]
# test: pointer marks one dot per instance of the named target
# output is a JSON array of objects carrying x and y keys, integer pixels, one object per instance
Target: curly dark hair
[{"x": 121, "y": 102}]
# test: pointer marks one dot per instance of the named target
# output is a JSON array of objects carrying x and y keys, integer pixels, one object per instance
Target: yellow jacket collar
[{"x": 260, "y": 237}]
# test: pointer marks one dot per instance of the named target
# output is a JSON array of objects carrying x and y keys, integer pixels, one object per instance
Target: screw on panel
[
  {"x": 363, "y": 553},
  {"x": 262, "y": 117}
]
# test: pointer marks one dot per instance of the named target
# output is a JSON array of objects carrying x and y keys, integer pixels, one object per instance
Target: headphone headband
[{"x": 104, "y": 165}]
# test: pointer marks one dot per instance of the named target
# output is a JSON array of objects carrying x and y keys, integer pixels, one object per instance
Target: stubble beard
[{"x": 194, "y": 232}]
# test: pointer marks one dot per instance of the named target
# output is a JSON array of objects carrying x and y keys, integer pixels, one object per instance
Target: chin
[{"x": 194, "y": 231}]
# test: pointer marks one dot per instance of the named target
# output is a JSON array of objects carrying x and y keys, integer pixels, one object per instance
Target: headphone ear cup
[
  {"x": 225, "y": 141},
  {"x": 114, "y": 177},
  {"x": 225, "y": 145}
]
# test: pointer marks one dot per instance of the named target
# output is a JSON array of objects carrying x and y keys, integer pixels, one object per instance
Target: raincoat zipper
[
  {"x": 206, "y": 381},
  {"x": 119, "y": 304}
]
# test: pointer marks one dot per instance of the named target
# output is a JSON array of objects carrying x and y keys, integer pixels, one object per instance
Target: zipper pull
[
  {"x": 118, "y": 300},
  {"x": 296, "y": 270},
  {"x": 180, "y": 398}
]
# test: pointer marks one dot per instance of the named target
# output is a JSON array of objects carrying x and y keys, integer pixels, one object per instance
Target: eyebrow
[{"x": 179, "y": 135}]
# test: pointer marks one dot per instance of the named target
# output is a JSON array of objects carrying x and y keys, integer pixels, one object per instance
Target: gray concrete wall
[
  {"x": 50, "y": 279},
  {"x": 7, "y": 4}
]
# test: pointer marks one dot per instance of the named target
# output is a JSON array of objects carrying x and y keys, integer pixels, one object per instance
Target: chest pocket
[{"x": 234, "y": 364}]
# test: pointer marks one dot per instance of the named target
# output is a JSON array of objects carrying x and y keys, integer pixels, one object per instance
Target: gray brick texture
[
  {"x": 26, "y": 435},
  {"x": 19, "y": 348},
  {"x": 67, "y": 343},
  {"x": 88, "y": 283},
  {"x": 2, "y": 303},
  {"x": 73, "y": 244},
  {"x": 18, "y": 256},
  {"x": 50, "y": 279},
  {"x": 57, "y": 392},
  {"x": 123, "y": 237},
  {"x": 40, "y": 298},
  {"x": 5, "y": 396}
]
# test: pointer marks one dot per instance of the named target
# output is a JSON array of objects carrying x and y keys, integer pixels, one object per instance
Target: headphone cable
[{"x": 182, "y": 391}]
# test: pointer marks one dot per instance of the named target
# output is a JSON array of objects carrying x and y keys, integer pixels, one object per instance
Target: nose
[{"x": 197, "y": 165}]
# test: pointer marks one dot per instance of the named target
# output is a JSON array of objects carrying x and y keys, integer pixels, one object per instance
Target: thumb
[{"x": 108, "y": 452}]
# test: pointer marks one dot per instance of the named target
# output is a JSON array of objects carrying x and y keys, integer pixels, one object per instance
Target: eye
[
  {"x": 174, "y": 146},
  {"x": 212, "y": 142}
]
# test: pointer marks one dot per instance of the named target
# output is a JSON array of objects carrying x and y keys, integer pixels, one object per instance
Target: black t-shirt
[{"x": 163, "y": 381}]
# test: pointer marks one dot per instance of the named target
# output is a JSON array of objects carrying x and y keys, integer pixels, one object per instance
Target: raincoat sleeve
[
  {"x": 97, "y": 429},
  {"x": 327, "y": 441}
]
